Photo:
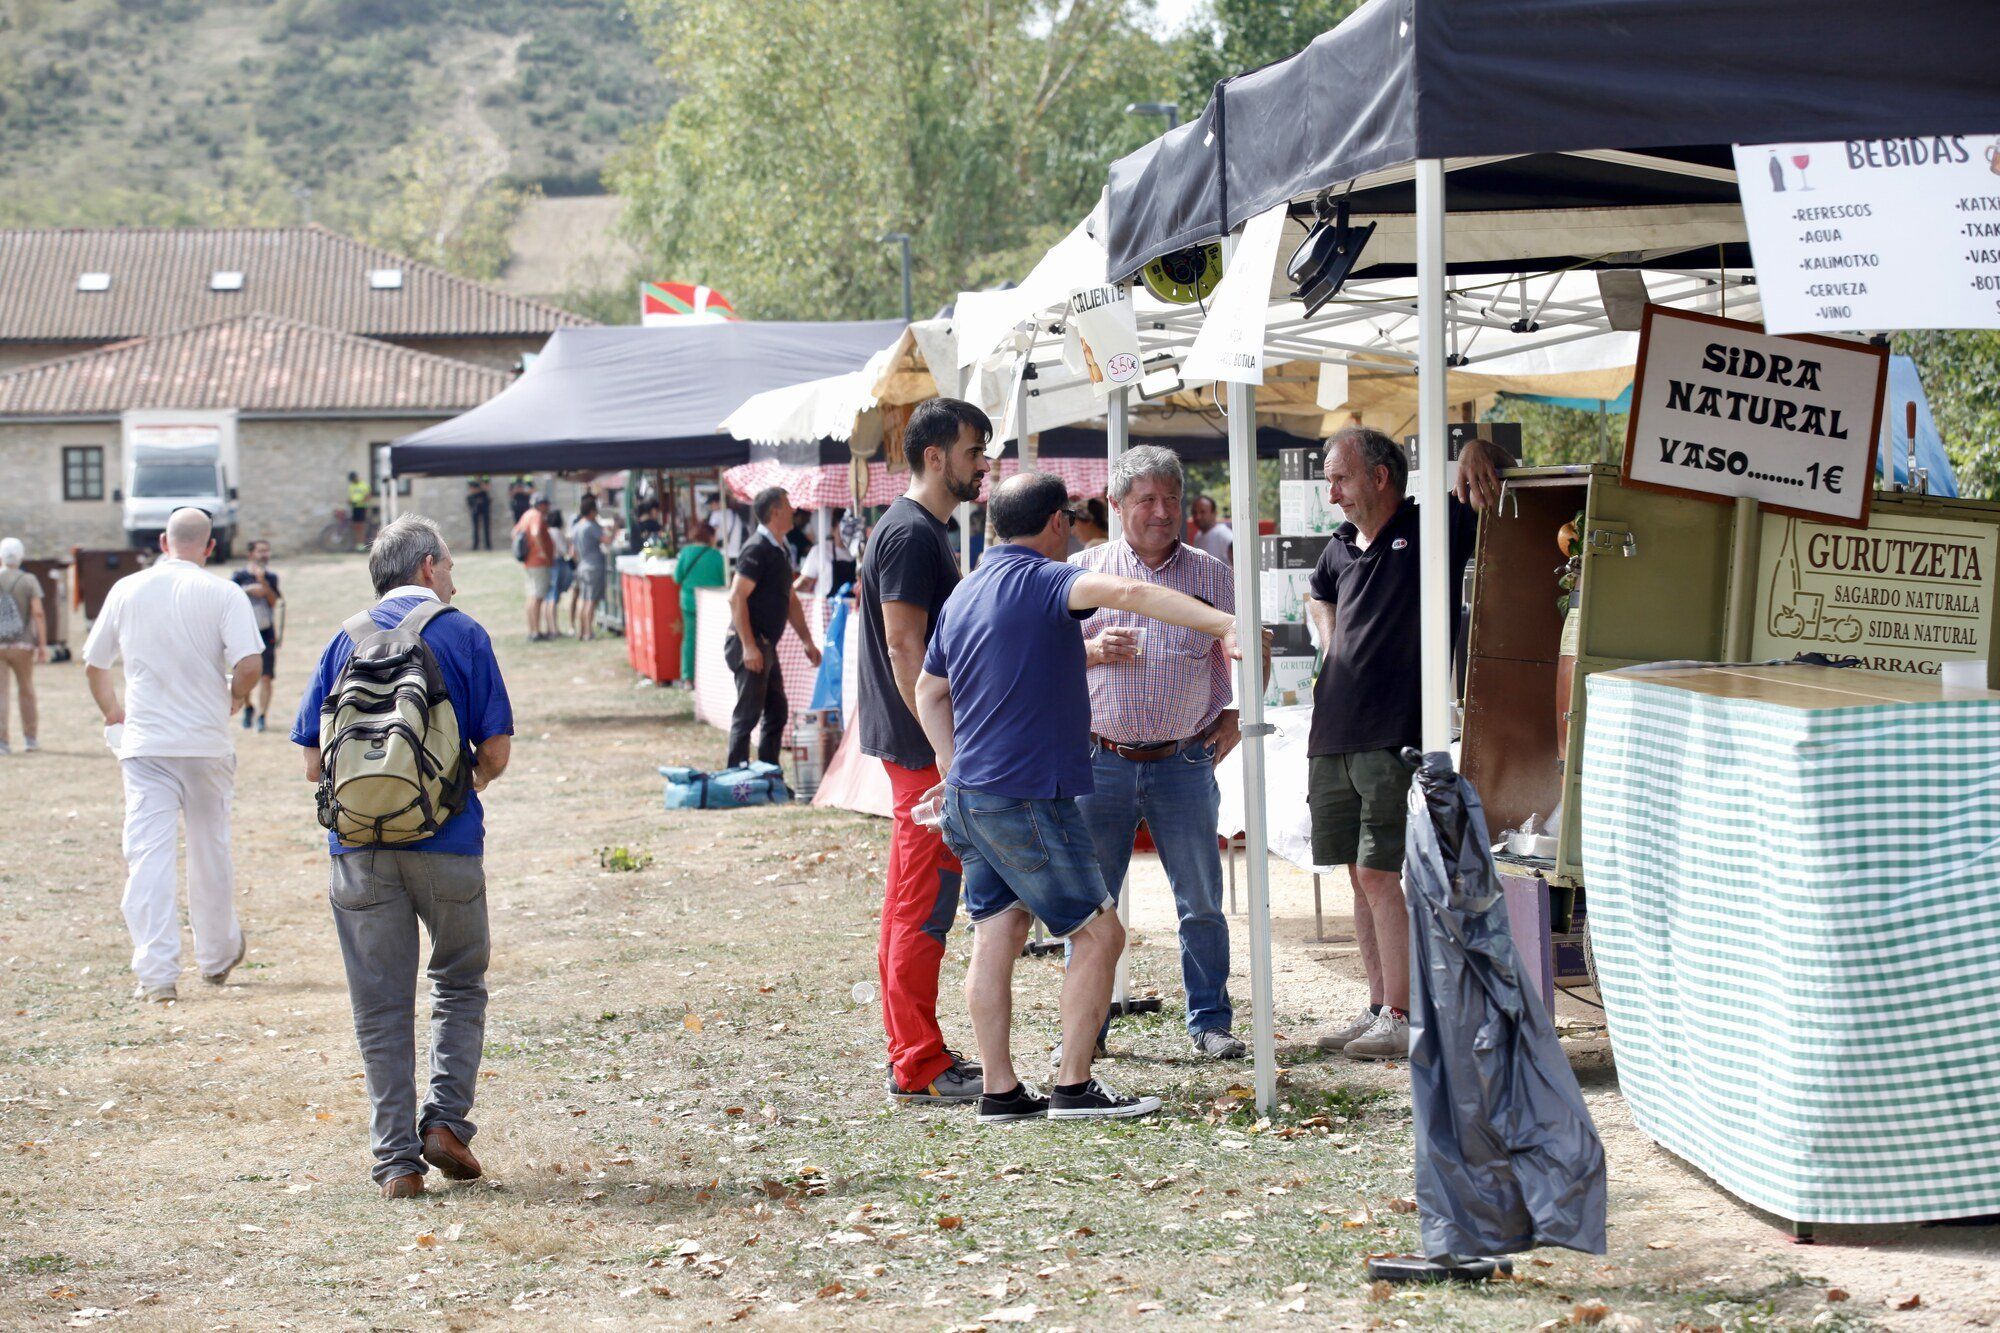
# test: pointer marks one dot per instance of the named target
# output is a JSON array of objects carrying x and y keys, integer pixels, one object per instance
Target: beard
[{"x": 964, "y": 488}]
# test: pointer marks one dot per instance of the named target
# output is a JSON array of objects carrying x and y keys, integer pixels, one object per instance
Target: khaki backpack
[{"x": 392, "y": 756}]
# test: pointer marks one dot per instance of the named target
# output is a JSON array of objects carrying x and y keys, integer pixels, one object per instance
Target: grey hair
[
  {"x": 1147, "y": 460},
  {"x": 12, "y": 552},
  {"x": 1377, "y": 450},
  {"x": 399, "y": 550}
]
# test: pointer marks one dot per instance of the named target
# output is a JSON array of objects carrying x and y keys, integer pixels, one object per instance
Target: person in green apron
[{"x": 698, "y": 566}]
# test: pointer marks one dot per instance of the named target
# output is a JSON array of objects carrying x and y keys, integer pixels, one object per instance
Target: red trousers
[{"x": 918, "y": 905}]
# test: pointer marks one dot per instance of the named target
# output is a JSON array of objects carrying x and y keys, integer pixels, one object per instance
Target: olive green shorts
[{"x": 1359, "y": 803}]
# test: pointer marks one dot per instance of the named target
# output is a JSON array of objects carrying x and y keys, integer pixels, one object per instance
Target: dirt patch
[{"x": 681, "y": 1105}]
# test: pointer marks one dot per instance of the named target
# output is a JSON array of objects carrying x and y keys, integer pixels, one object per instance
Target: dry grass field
[{"x": 681, "y": 1105}]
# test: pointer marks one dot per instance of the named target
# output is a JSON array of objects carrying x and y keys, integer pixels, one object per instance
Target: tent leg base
[
  {"x": 1802, "y": 1233},
  {"x": 1416, "y": 1268}
]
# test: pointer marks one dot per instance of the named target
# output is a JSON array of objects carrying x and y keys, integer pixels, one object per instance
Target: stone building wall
[{"x": 294, "y": 474}]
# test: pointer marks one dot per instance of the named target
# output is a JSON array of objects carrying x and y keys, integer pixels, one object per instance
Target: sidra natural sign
[{"x": 1721, "y": 409}]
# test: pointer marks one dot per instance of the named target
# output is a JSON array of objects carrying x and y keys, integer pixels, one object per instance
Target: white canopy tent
[{"x": 1530, "y": 332}]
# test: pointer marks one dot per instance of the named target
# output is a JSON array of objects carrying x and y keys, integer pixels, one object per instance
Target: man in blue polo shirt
[
  {"x": 379, "y": 894},
  {"x": 1004, "y": 702}
]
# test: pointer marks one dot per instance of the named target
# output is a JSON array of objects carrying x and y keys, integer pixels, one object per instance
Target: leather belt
[{"x": 1141, "y": 754}]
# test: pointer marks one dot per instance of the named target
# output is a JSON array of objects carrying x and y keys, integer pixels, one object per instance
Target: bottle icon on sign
[
  {"x": 1777, "y": 175},
  {"x": 1793, "y": 614}
]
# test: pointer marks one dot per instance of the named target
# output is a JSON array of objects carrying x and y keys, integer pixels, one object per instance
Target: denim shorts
[{"x": 1032, "y": 855}]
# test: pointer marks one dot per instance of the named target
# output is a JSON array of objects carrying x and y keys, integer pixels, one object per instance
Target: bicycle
[{"x": 338, "y": 534}]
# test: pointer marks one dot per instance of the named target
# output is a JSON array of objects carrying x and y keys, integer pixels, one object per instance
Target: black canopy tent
[
  {"x": 1618, "y": 105},
  {"x": 597, "y": 399},
  {"x": 1553, "y": 134}
]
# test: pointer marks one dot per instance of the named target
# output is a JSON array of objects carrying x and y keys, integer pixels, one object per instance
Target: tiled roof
[
  {"x": 256, "y": 363},
  {"x": 159, "y": 280}
]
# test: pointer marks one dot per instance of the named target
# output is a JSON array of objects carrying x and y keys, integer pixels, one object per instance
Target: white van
[{"x": 179, "y": 459}]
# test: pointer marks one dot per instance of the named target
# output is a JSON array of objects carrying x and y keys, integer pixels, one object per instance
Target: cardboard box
[
  {"x": 1305, "y": 509},
  {"x": 1506, "y": 434},
  {"x": 1301, "y": 464},
  {"x": 1291, "y": 639},
  {"x": 1290, "y": 681},
  {"x": 1290, "y": 551},
  {"x": 1285, "y": 568}
]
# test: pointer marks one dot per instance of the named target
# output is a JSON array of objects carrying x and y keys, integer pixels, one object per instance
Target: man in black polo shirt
[
  {"x": 904, "y": 582},
  {"x": 761, "y": 601},
  {"x": 1368, "y": 702}
]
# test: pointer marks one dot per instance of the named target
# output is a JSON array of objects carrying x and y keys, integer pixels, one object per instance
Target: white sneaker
[
  {"x": 1387, "y": 1039},
  {"x": 1336, "y": 1042}
]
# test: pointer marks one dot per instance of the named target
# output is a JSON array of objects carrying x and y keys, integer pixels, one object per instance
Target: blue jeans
[
  {"x": 1032, "y": 855},
  {"x": 1177, "y": 798}
]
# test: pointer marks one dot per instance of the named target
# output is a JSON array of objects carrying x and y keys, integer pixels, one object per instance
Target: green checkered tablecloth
[{"x": 1796, "y": 918}]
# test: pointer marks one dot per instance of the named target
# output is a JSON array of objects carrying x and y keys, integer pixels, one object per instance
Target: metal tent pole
[
  {"x": 1241, "y": 403},
  {"x": 1432, "y": 416},
  {"x": 1117, "y": 435}
]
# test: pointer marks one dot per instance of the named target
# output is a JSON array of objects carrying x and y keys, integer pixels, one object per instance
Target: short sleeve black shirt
[
  {"x": 909, "y": 560},
  {"x": 1370, "y": 690},
  {"x": 769, "y": 566}
]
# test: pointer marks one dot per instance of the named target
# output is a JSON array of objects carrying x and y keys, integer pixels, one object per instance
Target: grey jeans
[{"x": 378, "y": 898}]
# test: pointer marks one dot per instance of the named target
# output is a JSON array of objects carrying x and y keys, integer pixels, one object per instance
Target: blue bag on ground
[
  {"x": 756, "y": 783},
  {"x": 826, "y": 685},
  {"x": 1507, "y": 1157}
]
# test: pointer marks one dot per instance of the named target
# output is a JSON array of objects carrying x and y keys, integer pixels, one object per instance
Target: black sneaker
[
  {"x": 1097, "y": 1102},
  {"x": 249, "y": 714},
  {"x": 260, "y": 722},
  {"x": 970, "y": 1068},
  {"x": 953, "y": 1087},
  {"x": 1021, "y": 1102}
]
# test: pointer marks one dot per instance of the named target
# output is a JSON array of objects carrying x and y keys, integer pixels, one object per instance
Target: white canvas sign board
[
  {"x": 1721, "y": 409},
  {"x": 1101, "y": 337},
  {"x": 1230, "y": 345},
  {"x": 1875, "y": 233}
]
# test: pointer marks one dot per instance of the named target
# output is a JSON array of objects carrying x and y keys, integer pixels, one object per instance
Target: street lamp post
[
  {"x": 1170, "y": 110},
  {"x": 901, "y": 238}
]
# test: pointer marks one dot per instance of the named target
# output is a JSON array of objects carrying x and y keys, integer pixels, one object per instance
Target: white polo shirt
[{"x": 179, "y": 629}]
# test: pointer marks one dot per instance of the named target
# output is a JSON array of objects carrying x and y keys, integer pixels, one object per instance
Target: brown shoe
[
  {"x": 407, "y": 1186},
  {"x": 443, "y": 1150}
]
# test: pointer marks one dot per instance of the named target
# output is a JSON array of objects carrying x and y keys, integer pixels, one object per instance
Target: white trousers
[{"x": 159, "y": 793}]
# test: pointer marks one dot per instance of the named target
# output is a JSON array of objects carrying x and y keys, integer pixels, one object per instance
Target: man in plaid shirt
[{"x": 1161, "y": 719}]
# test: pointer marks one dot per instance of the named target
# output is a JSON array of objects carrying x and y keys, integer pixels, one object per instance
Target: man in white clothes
[
  {"x": 1211, "y": 534},
  {"x": 192, "y": 656}
]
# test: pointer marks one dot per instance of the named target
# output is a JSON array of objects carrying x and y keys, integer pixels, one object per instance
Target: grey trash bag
[{"x": 1507, "y": 1156}]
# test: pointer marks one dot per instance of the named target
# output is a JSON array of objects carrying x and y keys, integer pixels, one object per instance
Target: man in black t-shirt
[
  {"x": 1368, "y": 701},
  {"x": 908, "y": 573},
  {"x": 260, "y": 584},
  {"x": 761, "y": 602}
]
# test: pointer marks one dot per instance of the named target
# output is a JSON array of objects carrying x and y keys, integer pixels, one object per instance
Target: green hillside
[{"x": 117, "y": 110}]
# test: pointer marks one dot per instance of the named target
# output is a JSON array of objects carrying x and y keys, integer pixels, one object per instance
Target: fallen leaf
[
  {"x": 1356, "y": 1219},
  {"x": 948, "y": 1223},
  {"x": 1293, "y": 1307},
  {"x": 426, "y": 1239},
  {"x": 1910, "y": 1302},
  {"x": 1660, "y": 1244},
  {"x": 1380, "y": 1291},
  {"x": 1835, "y": 1294},
  {"x": 1402, "y": 1205},
  {"x": 830, "y": 1289},
  {"x": 692, "y": 1022},
  {"x": 1588, "y": 1312},
  {"x": 1012, "y": 1314}
]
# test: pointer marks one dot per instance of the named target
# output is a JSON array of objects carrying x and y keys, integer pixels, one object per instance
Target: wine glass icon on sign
[{"x": 1802, "y": 161}]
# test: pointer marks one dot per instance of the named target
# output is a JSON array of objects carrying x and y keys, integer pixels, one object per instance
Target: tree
[
  {"x": 810, "y": 127},
  {"x": 1238, "y": 35},
  {"x": 1961, "y": 377},
  {"x": 442, "y": 201}
]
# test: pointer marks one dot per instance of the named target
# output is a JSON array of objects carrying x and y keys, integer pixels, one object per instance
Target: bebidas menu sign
[{"x": 1721, "y": 410}]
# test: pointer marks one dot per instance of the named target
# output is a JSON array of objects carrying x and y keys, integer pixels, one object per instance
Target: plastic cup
[
  {"x": 929, "y": 813},
  {"x": 1138, "y": 641},
  {"x": 863, "y": 992}
]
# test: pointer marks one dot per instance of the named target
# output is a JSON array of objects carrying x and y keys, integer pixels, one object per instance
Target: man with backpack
[{"x": 404, "y": 723}]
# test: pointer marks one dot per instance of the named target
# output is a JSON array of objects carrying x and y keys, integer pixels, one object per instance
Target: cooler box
[{"x": 652, "y": 617}]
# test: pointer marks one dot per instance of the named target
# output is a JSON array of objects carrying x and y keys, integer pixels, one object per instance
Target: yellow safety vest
[{"x": 357, "y": 494}]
